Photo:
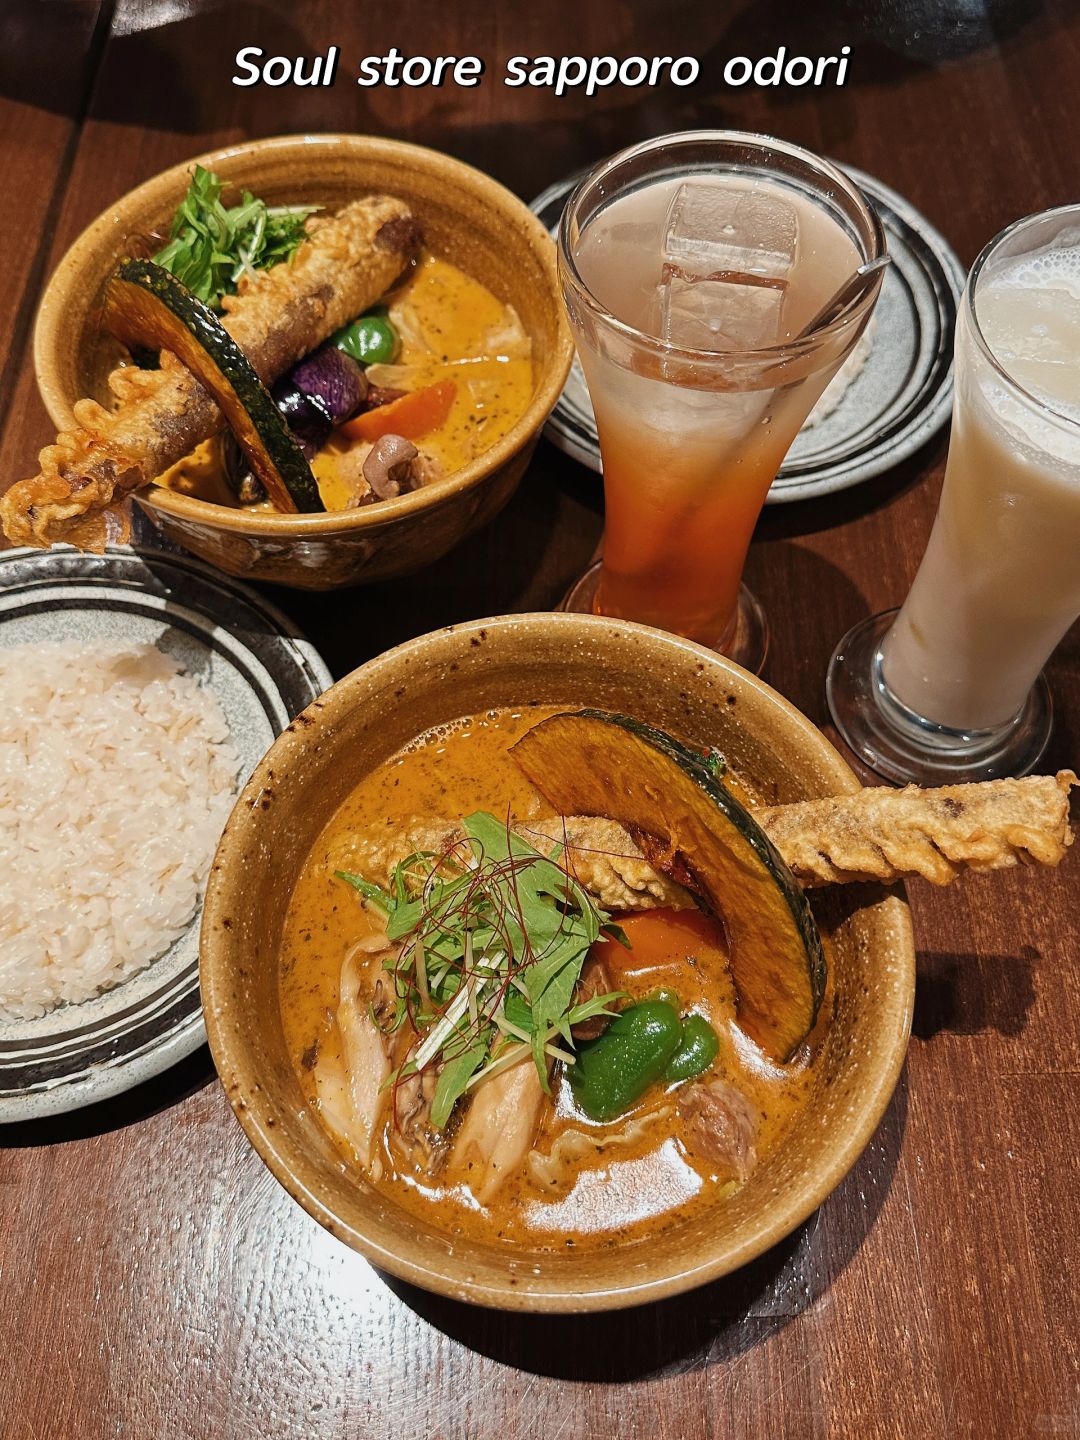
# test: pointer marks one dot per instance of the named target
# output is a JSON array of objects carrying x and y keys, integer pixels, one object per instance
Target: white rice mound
[{"x": 116, "y": 779}]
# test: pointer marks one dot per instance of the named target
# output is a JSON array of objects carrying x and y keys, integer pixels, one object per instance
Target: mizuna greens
[
  {"x": 486, "y": 1050},
  {"x": 212, "y": 245},
  {"x": 493, "y": 936}
]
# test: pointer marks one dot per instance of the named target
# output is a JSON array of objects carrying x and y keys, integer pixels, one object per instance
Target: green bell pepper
[
  {"x": 613, "y": 1071},
  {"x": 698, "y": 1049},
  {"x": 370, "y": 339}
]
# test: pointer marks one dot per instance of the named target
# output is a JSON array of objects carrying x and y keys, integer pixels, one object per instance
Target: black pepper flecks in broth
[{"x": 513, "y": 1160}]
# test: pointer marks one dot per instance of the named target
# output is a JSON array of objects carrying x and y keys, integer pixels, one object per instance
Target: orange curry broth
[
  {"x": 616, "y": 1197},
  {"x": 451, "y": 327}
]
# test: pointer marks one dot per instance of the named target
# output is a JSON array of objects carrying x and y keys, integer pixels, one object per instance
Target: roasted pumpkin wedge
[
  {"x": 147, "y": 306},
  {"x": 594, "y": 763}
]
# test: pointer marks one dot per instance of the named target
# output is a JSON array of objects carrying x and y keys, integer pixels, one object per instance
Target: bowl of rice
[
  {"x": 117, "y": 774},
  {"x": 139, "y": 692}
]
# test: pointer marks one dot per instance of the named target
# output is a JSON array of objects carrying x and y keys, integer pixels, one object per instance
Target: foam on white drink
[{"x": 1029, "y": 315}]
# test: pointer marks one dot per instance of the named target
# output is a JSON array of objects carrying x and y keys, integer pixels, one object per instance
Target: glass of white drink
[{"x": 950, "y": 688}]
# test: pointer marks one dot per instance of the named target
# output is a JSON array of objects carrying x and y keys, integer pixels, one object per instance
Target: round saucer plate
[
  {"x": 262, "y": 672},
  {"x": 897, "y": 402}
]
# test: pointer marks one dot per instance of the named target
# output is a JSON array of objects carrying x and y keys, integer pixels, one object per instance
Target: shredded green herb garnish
[
  {"x": 212, "y": 245},
  {"x": 716, "y": 763},
  {"x": 493, "y": 937}
]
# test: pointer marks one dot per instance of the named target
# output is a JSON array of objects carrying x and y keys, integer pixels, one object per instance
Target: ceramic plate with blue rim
[
  {"x": 262, "y": 672},
  {"x": 901, "y": 395}
]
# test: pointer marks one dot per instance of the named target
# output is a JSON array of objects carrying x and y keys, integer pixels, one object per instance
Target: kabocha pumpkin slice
[
  {"x": 146, "y": 305},
  {"x": 687, "y": 824}
]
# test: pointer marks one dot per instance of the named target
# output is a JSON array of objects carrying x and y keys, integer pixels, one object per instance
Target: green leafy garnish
[
  {"x": 376, "y": 897},
  {"x": 493, "y": 936},
  {"x": 212, "y": 245},
  {"x": 453, "y": 1079},
  {"x": 716, "y": 763}
]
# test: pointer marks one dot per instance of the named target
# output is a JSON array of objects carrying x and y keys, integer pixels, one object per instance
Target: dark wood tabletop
[{"x": 155, "y": 1282}]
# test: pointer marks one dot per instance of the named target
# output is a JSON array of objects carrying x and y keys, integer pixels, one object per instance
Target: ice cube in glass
[
  {"x": 715, "y": 227},
  {"x": 718, "y": 314}
]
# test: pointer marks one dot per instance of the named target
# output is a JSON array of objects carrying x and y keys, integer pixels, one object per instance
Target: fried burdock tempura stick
[
  {"x": 875, "y": 834},
  {"x": 277, "y": 316},
  {"x": 885, "y": 834}
]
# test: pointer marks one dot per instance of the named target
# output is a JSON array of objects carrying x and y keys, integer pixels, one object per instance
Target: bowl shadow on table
[
  {"x": 154, "y": 1096},
  {"x": 523, "y": 559},
  {"x": 712, "y": 1325}
]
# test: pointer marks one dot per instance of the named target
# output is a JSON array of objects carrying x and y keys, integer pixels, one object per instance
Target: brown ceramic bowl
[
  {"x": 570, "y": 660},
  {"x": 468, "y": 219}
]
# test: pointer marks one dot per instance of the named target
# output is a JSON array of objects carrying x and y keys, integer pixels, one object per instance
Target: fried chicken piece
[
  {"x": 277, "y": 316},
  {"x": 599, "y": 853},
  {"x": 605, "y": 861}
]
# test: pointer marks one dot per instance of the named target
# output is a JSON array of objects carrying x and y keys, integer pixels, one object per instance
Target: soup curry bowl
[
  {"x": 542, "y": 660},
  {"x": 467, "y": 218}
]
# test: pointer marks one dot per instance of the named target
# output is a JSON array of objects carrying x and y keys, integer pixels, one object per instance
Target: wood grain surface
[{"x": 154, "y": 1279}]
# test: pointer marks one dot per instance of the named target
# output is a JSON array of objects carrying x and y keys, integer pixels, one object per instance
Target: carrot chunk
[
  {"x": 659, "y": 939},
  {"x": 413, "y": 416}
]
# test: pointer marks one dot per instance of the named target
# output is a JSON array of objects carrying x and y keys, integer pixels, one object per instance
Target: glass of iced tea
[
  {"x": 950, "y": 687},
  {"x": 695, "y": 268}
]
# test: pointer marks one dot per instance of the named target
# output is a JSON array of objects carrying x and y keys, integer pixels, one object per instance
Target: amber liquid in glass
[{"x": 689, "y": 452}]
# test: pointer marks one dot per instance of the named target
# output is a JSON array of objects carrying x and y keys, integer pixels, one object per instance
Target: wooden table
[{"x": 154, "y": 1280}]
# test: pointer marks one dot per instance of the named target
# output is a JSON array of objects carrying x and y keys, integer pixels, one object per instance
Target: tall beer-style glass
[
  {"x": 950, "y": 688},
  {"x": 693, "y": 267}
]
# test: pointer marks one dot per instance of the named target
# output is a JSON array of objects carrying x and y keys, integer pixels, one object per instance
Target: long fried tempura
[
  {"x": 277, "y": 316},
  {"x": 876, "y": 834},
  {"x": 885, "y": 834}
]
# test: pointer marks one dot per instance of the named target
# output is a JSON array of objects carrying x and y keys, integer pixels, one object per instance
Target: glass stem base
[
  {"x": 907, "y": 748},
  {"x": 747, "y": 646}
]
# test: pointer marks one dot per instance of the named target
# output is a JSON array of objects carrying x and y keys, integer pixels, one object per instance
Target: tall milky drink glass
[
  {"x": 690, "y": 267},
  {"x": 951, "y": 688}
]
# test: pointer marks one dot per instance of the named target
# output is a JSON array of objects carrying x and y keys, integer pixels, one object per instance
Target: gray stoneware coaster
[
  {"x": 900, "y": 398},
  {"x": 263, "y": 674}
]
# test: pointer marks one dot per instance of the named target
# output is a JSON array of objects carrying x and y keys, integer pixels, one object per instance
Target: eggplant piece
[
  {"x": 334, "y": 379},
  {"x": 320, "y": 392},
  {"x": 315, "y": 396},
  {"x": 306, "y": 416}
]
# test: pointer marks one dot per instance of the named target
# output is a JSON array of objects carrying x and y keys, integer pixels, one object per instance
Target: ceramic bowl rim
[
  {"x": 775, "y": 1222},
  {"x": 64, "y": 288}
]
